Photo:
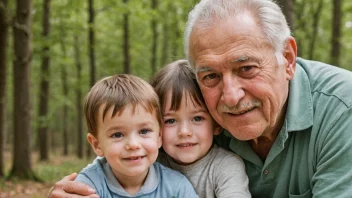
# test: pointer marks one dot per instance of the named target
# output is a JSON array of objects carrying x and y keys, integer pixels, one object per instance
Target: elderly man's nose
[{"x": 232, "y": 91}]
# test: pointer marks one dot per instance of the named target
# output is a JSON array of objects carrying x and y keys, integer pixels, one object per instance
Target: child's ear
[
  {"x": 217, "y": 129},
  {"x": 95, "y": 144}
]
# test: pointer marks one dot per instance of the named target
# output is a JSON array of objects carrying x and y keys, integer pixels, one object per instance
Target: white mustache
[{"x": 240, "y": 108}]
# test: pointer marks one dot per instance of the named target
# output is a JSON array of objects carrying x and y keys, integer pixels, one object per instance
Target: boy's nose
[{"x": 132, "y": 143}]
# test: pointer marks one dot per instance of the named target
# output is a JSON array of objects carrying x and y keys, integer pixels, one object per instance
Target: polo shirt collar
[
  {"x": 150, "y": 184},
  {"x": 299, "y": 115}
]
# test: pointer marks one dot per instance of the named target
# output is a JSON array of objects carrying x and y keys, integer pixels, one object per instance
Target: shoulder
[
  {"x": 226, "y": 163},
  {"x": 173, "y": 181},
  {"x": 93, "y": 174},
  {"x": 328, "y": 81},
  {"x": 95, "y": 166},
  {"x": 167, "y": 173},
  {"x": 223, "y": 157},
  {"x": 331, "y": 97}
]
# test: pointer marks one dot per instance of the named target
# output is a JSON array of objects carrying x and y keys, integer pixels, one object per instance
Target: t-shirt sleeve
[
  {"x": 230, "y": 178},
  {"x": 185, "y": 189},
  {"x": 81, "y": 177},
  {"x": 333, "y": 172},
  {"x": 92, "y": 175}
]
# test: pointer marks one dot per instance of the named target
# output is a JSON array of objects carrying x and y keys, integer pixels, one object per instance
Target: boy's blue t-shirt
[{"x": 160, "y": 182}]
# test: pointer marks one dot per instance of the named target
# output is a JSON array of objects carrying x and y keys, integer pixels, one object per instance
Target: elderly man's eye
[
  {"x": 210, "y": 79},
  {"x": 248, "y": 71},
  {"x": 246, "y": 68},
  {"x": 210, "y": 76}
]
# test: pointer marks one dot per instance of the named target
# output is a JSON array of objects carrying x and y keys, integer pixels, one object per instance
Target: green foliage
[
  {"x": 304, "y": 10},
  {"x": 52, "y": 173},
  {"x": 49, "y": 172},
  {"x": 69, "y": 18}
]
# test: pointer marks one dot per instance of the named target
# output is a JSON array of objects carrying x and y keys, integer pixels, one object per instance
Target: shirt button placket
[{"x": 266, "y": 172}]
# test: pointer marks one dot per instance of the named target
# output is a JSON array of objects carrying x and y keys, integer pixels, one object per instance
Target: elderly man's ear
[{"x": 290, "y": 54}]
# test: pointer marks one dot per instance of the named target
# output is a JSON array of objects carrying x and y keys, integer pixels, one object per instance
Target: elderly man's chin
[{"x": 247, "y": 133}]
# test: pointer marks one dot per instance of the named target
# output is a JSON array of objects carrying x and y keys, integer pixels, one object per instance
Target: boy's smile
[{"x": 134, "y": 160}]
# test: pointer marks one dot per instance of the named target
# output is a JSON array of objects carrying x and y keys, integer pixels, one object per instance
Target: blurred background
[{"x": 51, "y": 52}]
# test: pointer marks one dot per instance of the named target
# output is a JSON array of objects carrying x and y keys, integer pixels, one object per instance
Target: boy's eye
[
  {"x": 169, "y": 121},
  {"x": 144, "y": 131},
  {"x": 117, "y": 135},
  {"x": 198, "y": 118}
]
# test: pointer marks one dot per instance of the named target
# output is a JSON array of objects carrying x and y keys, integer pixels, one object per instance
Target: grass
[{"x": 50, "y": 172}]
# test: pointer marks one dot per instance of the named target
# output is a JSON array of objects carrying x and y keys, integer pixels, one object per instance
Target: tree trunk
[
  {"x": 65, "y": 94},
  {"x": 91, "y": 44},
  {"x": 336, "y": 33},
  {"x": 287, "y": 7},
  {"x": 79, "y": 98},
  {"x": 155, "y": 37},
  {"x": 22, "y": 167},
  {"x": 126, "y": 47},
  {"x": 91, "y": 41},
  {"x": 316, "y": 17},
  {"x": 3, "y": 72},
  {"x": 44, "y": 86}
]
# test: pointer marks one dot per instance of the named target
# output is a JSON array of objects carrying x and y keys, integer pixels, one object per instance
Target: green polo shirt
[{"x": 312, "y": 155}]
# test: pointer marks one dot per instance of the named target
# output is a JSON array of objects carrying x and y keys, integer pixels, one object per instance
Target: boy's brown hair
[
  {"x": 119, "y": 91},
  {"x": 179, "y": 78}
]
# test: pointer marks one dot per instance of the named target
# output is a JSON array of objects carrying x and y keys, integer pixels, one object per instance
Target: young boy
[
  {"x": 123, "y": 117},
  {"x": 188, "y": 130}
]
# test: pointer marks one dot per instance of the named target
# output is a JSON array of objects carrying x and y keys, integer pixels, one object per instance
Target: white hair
[{"x": 268, "y": 14}]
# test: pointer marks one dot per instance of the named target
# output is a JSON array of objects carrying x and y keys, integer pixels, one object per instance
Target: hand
[{"x": 67, "y": 187}]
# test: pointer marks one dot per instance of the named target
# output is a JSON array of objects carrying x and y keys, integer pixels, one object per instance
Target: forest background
[{"x": 51, "y": 52}]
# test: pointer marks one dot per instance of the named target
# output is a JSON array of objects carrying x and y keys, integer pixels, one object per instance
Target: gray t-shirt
[
  {"x": 219, "y": 174},
  {"x": 160, "y": 182}
]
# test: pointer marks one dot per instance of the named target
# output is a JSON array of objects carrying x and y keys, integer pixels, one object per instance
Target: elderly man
[{"x": 290, "y": 119}]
